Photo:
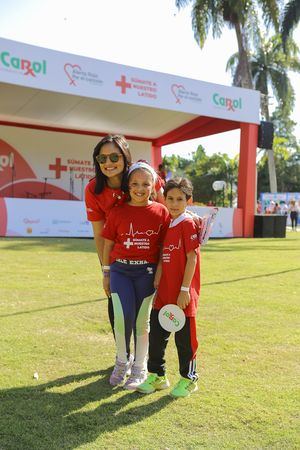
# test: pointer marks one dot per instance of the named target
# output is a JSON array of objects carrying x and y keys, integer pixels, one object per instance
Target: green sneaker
[
  {"x": 184, "y": 388},
  {"x": 153, "y": 383}
]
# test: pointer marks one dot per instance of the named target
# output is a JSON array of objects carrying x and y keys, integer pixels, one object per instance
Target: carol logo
[
  {"x": 171, "y": 318},
  {"x": 227, "y": 103},
  {"x": 6, "y": 161},
  {"x": 25, "y": 65},
  {"x": 31, "y": 221}
]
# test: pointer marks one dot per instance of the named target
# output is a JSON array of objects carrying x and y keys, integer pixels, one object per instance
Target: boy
[{"x": 177, "y": 281}]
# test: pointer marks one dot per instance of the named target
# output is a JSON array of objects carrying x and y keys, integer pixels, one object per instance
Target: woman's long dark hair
[{"x": 120, "y": 142}]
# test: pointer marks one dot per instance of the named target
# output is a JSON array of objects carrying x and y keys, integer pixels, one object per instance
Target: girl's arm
[
  {"x": 108, "y": 246},
  {"x": 99, "y": 240},
  {"x": 184, "y": 296}
]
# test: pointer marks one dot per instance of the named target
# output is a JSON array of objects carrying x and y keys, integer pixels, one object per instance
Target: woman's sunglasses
[{"x": 114, "y": 157}]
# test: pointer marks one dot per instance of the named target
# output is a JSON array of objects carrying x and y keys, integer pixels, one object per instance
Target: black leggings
[
  {"x": 294, "y": 219},
  {"x": 186, "y": 343}
]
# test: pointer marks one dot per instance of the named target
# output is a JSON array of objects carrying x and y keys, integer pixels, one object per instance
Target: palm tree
[
  {"x": 290, "y": 19},
  {"x": 269, "y": 71},
  {"x": 238, "y": 14}
]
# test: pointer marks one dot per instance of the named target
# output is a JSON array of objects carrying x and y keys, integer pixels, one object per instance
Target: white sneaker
[
  {"x": 119, "y": 373},
  {"x": 137, "y": 377},
  {"x": 130, "y": 364}
]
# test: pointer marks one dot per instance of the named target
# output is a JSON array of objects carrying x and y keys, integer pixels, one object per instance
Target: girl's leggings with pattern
[{"x": 132, "y": 294}]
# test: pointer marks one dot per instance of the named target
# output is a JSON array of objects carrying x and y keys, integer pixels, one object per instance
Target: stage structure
[{"x": 55, "y": 106}]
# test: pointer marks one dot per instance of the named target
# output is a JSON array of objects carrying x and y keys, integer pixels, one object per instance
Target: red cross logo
[
  {"x": 123, "y": 84},
  {"x": 58, "y": 167}
]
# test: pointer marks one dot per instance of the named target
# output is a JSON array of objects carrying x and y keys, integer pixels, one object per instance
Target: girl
[
  {"x": 112, "y": 160},
  {"x": 133, "y": 233},
  {"x": 178, "y": 281}
]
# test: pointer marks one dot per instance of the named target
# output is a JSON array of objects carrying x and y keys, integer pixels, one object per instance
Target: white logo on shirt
[
  {"x": 128, "y": 243},
  {"x": 132, "y": 232},
  {"x": 173, "y": 246}
]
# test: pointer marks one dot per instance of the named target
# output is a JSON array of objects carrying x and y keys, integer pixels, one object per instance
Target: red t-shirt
[
  {"x": 181, "y": 238},
  {"x": 98, "y": 206},
  {"x": 138, "y": 231}
]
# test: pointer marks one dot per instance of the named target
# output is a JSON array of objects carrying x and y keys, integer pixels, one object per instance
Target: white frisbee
[{"x": 171, "y": 318}]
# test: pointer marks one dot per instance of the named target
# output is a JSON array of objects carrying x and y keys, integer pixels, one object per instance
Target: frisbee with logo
[{"x": 171, "y": 318}]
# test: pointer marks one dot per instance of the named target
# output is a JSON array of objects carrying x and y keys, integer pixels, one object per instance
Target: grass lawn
[{"x": 53, "y": 320}]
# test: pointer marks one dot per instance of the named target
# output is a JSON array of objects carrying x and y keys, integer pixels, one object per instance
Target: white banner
[
  {"x": 45, "y": 218},
  {"x": 228, "y": 221},
  {"x": 41, "y": 68},
  {"x": 62, "y": 218}
]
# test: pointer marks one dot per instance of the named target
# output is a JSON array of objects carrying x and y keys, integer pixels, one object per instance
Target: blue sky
[{"x": 147, "y": 34}]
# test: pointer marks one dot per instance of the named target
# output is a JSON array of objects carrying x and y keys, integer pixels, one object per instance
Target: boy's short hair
[{"x": 183, "y": 184}]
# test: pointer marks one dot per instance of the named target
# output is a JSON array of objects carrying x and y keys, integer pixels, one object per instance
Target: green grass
[{"x": 53, "y": 320}]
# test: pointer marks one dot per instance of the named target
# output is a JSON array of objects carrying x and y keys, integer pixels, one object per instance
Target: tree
[
  {"x": 203, "y": 170},
  {"x": 238, "y": 14},
  {"x": 287, "y": 165},
  {"x": 269, "y": 67},
  {"x": 290, "y": 19},
  {"x": 242, "y": 16}
]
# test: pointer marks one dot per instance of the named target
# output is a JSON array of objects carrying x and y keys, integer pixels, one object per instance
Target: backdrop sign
[{"x": 50, "y": 165}]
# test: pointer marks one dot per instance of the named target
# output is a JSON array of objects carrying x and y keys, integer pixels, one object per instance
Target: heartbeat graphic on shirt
[
  {"x": 133, "y": 233},
  {"x": 173, "y": 247}
]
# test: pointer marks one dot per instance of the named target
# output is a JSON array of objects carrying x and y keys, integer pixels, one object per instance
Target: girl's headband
[{"x": 142, "y": 165}]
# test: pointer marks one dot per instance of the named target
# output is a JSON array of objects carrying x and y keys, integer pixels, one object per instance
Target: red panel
[
  {"x": 179, "y": 133},
  {"x": 8, "y": 173},
  {"x": 156, "y": 157},
  {"x": 199, "y": 127},
  {"x": 3, "y": 217},
  {"x": 247, "y": 176},
  {"x": 237, "y": 223}
]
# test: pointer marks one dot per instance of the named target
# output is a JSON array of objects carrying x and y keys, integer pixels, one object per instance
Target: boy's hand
[
  {"x": 183, "y": 299},
  {"x": 157, "y": 276},
  {"x": 156, "y": 281},
  {"x": 106, "y": 284}
]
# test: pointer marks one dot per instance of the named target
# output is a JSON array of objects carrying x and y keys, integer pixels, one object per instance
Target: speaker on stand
[{"x": 265, "y": 135}]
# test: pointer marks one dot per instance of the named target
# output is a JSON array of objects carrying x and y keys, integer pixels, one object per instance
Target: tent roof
[{"x": 46, "y": 88}]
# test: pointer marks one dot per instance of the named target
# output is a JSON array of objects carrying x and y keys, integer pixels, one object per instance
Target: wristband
[
  {"x": 105, "y": 268},
  {"x": 185, "y": 289}
]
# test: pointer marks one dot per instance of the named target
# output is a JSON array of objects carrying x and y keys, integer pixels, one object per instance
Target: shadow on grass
[
  {"x": 262, "y": 275},
  {"x": 42, "y": 417},
  {"x": 49, "y": 244},
  {"x": 66, "y": 305}
]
